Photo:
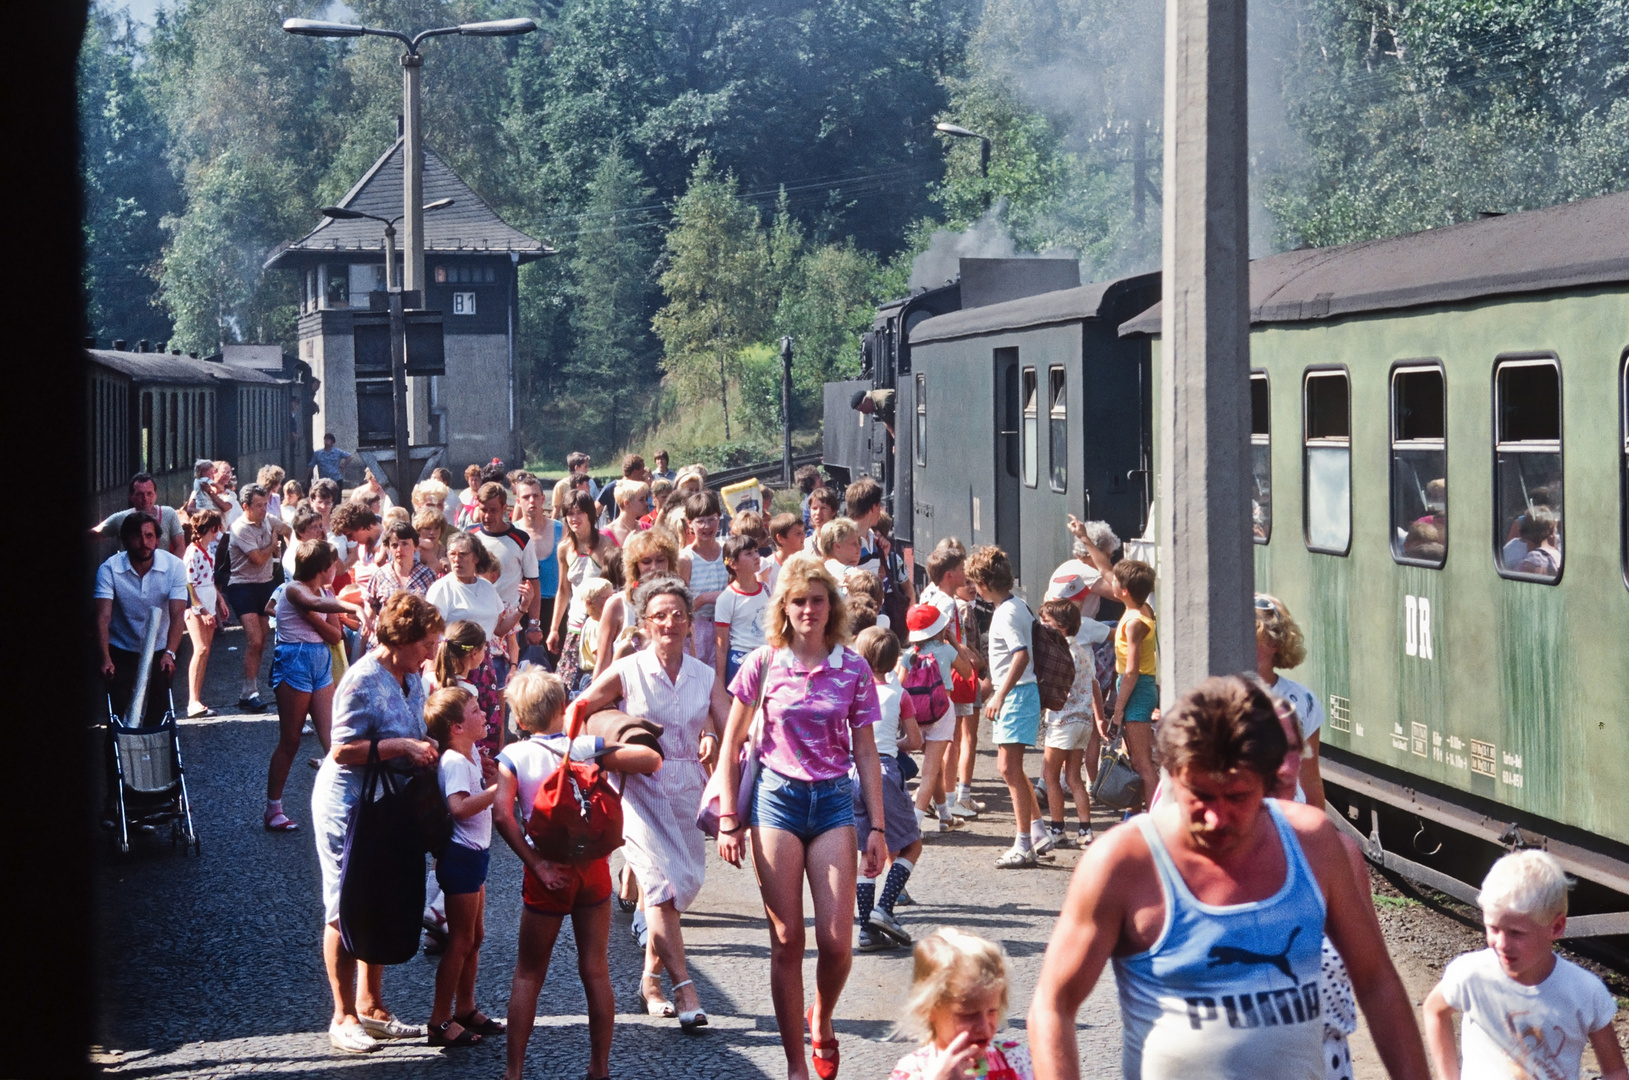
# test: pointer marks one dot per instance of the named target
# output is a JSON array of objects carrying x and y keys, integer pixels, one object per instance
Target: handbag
[
  {"x": 577, "y": 815},
  {"x": 432, "y": 817},
  {"x": 1118, "y": 785},
  {"x": 712, "y": 796},
  {"x": 381, "y": 875}
]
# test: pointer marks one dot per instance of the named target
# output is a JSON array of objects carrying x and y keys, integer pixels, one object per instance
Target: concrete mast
[{"x": 1206, "y": 572}]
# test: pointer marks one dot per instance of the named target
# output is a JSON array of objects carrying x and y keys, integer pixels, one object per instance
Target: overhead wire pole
[{"x": 1206, "y": 571}]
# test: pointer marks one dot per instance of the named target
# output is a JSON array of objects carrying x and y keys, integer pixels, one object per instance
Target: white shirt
[
  {"x": 478, "y": 601},
  {"x": 169, "y": 526},
  {"x": 1010, "y": 629},
  {"x": 517, "y": 560},
  {"x": 460, "y": 775},
  {"x": 230, "y": 517},
  {"x": 743, "y": 614},
  {"x": 535, "y": 760},
  {"x": 890, "y": 698},
  {"x": 1305, "y": 701},
  {"x": 1517, "y": 1031},
  {"x": 133, "y": 595}
]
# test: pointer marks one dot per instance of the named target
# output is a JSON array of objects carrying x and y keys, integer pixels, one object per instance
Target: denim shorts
[
  {"x": 732, "y": 663},
  {"x": 303, "y": 666},
  {"x": 1020, "y": 718},
  {"x": 461, "y": 869},
  {"x": 804, "y": 808},
  {"x": 1144, "y": 700}
]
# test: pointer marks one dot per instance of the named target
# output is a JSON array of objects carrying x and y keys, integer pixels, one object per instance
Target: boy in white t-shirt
[
  {"x": 896, "y": 730},
  {"x": 1528, "y": 1012},
  {"x": 1014, "y": 708},
  {"x": 738, "y": 614}
]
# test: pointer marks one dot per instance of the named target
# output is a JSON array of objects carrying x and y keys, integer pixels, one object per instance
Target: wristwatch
[{"x": 170, "y": 653}]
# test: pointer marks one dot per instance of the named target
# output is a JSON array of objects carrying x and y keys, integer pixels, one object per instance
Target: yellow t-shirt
[{"x": 1148, "y": 659}]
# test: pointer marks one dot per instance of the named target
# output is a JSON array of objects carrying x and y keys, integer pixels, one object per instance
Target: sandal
[
  {"x": 690, "y": 1019},
  {"x": 484, "y": 1026},
  {"x": 200, "y": 712},
  {"x": 824, "y": 1067},
  {"x": 657, "y": 1006},
  {"x": 279, "y": 822},
  {"x": 625, "y": 906},
  {"x": 438, "y": 1035}
]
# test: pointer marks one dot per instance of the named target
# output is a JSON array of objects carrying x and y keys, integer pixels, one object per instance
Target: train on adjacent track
[{"x": 1475, "y": 677}]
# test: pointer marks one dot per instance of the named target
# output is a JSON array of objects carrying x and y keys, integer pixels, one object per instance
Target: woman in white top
[
  {"x": 648, "y": 554},
  {"x": 582, "y": 554},
  {"x": 664, "y": 848},
  {"x": 464, "y": 594},
  {"x": 701, "y": 565},
  {"x": 1280, "y": 644},
  {"x": 205, "y": 604}
]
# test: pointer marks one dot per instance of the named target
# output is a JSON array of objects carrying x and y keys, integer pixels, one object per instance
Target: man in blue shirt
[
  {"x": 330, "y": 461},
  {"x": 128, "y": 586}
]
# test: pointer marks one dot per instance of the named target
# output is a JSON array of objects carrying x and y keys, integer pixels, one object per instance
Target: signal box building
[{"x": 471, "y": 259}]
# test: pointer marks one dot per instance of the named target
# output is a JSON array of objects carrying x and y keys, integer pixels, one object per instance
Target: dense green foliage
[{"x": 720, "y": 173}]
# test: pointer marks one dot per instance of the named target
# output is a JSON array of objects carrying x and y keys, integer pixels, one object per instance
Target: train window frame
[
  {"x": 1506, "y": 447},
  {"x": 1262, "y": 440},
  {"x": 1623, "y": 466},
  {"x": 920, "y": 435},
  {"x": 1311, "y": 444},
  {"x": 1029, "y": 424},
  {"x": 1057, "y": 428},
  {"x": 1397, "y": 445}
]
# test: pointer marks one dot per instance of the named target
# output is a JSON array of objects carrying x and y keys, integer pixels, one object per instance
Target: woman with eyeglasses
[
  {"x": 665, "y": 850},
  {"x": 465, "y": 594}
]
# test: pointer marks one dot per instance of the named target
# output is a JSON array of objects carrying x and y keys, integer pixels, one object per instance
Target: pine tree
[
  {"x": 614, "y": 353},
  {"x": 718, "y": 266}
]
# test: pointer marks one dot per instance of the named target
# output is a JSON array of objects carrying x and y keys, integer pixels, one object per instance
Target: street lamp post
[
  {"x": 786, "y": 411},
  {"x": 412, "y": 138},
  {"x": 398, "y": 333},
  {"x": 956, "y": 131}
]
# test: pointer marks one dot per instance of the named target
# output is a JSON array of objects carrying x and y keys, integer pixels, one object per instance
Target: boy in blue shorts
[
  {"x": 1014, "y": 708},
  {"x": 1527, "y": 1012}
]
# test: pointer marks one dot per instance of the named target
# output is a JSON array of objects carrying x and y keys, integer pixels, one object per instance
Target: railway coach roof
[
  {"x": 1049, "y": 308},
  {"x": 165, "y": 368},
  {"x": 1575, "y": 244}
]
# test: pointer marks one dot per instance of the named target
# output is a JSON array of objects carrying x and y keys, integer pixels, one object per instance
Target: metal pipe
[
  {"x": 786, "y": 411},
  {"x": 412, "y": 174}
]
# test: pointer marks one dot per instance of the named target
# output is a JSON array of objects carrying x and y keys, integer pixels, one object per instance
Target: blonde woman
[
  {"x": 633, "y": 503},
  {"x": 1280, "y": 644},
  {"x": 819, "y": 705}
]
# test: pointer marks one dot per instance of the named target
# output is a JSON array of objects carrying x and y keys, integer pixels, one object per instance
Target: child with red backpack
[
  {"x": 934, "y": 659},
  {"x": 557, "y": 886}
]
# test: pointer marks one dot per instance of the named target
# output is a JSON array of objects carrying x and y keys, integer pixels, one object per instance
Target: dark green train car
[
  {"x": 1441, "y": 460},
  {"x": 1023, "y": 412}
]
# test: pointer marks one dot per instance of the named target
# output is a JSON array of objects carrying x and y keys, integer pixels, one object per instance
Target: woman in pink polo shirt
[{"x": 819, "y": 704}]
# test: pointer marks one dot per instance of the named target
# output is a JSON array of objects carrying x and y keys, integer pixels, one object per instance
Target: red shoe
[{"x": 824, "y": 1067}]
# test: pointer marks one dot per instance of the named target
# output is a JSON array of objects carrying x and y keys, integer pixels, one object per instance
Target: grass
[{"x": 1395, "y": 903}]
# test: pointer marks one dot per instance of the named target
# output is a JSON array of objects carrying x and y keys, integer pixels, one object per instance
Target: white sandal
[
  {"x": 658, "y": 1006},
  {"x": 690, "y": 1019}
]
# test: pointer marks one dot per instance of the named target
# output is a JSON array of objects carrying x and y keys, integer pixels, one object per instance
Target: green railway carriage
[{"x": 1440, "y": 452}]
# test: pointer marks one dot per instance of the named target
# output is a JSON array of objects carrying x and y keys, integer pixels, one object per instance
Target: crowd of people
[{"x": 769, "y": 679}]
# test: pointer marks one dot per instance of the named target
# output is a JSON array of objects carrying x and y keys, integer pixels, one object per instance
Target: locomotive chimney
[{"x": 118, "y": 344}]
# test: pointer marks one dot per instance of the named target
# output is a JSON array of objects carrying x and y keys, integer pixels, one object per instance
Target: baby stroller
[{"x": 149, "y": 785}]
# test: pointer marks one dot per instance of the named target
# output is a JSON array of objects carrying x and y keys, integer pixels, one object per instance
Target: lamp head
[
  {"x": 439, "y": 204},
  {"x": 341, "y": 213},
  {"x": 318, "y": 28},
  {"x": 498, "y": 28}
]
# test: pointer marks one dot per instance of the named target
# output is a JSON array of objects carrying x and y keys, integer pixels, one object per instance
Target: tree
[
  {"x": 127, "y": 183},
  {"x": 718, "y": 260},
  {"x": 614, "y": 353}
]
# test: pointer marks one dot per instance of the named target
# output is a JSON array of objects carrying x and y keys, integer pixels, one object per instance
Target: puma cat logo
[{"x": 1228, "y": 954}]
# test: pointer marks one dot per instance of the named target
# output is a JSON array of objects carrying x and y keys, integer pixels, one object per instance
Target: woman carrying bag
[
  {"x": 378, "y": 714},
  {"x": 818, "y": 705}
]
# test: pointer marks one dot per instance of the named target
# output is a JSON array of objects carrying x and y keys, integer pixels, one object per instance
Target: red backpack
[
  {"x": 927, "y": 687},
  {"x": 577, "y": 815}
]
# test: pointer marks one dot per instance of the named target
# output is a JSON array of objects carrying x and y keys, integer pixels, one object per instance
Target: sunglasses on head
[{"x": 1264, "y": 604}]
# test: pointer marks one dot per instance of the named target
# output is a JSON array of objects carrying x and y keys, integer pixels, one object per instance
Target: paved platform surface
[{"x": 213, "y": 964}]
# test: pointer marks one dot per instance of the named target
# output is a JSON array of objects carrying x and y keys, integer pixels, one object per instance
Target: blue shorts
[
  {"x": 804, "y": 808},
  {"x": 1144, "y": 700},
  {"x": 462, "y": 870},
  {"x": 732, "y": 664},
  {"x": 1020, "y": 718},
  {"x": 303, "y": 666},
  {"x": 250, "y": 598}
]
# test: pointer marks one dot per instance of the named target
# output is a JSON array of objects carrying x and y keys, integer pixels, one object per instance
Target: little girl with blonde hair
[{"x": 958, "y": 1005}]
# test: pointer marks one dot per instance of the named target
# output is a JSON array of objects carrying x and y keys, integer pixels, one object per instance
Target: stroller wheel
[{"x": 124, "y": 847}]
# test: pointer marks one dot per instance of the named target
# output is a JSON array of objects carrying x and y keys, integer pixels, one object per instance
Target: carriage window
[
  {"x": 921, "y": 438},
  {"x": 1058, "y": 427},
  {"x": 1527, "y": 469},
  {"x": 1261, "y": 459},
  {"x": 146, "y": 431},
  {"x": 1419, "y": 466},
  {"x": 1032, "y": 435},
  {"x": 1328, "y": 464}
]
